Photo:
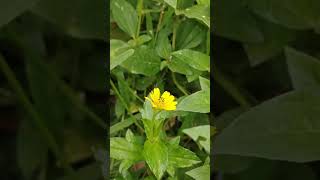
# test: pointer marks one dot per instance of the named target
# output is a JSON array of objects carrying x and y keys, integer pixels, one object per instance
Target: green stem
[
  {"x": 156, "y": 112},
  {"x": 37, "y": 120},
  {"x": 232, "y": 89},
  {"x": 159, "y": 22},
  {"x": 174, "y": 33},
  {"x": 139, "y": 10},
  {"x": 139, "y": 98},
  {"x": 181, "y": 88},
  {"x": 146, "y": 11},
  {"x": 125, "y": 105}
]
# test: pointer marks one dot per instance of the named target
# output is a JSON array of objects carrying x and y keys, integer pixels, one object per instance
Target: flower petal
[
  {"x": 155, "y": 94},
  {"x": 153, "y": 105},
  {"x": 165, "y": 95}
]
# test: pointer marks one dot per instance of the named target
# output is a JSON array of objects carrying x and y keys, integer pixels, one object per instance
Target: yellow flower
[{"x": 166, "y": 101}]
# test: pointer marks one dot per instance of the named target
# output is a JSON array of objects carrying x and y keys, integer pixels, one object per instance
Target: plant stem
[
  {"x": 125, "y": 105},
  {"x": 159, "y": 22},
  {"x": 139, "y": 10},
  {"x": 181, "y": 88},
  {"x": 233, "y": 90},
  {"x": 174, "y": 33},
  {"x": 139, "y": 98},
  {"x": 146, "y": 11},
  {"x": 37, "y": 120}
]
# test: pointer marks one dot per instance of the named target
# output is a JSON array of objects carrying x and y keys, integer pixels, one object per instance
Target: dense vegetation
[{"x": 165, "y": 45}]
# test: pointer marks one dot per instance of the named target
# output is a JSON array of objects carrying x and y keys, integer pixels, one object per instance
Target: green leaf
[
  {"x": 120, "y": 58},
  {"x": 200, "y": 12},
  {"x": 117, "y": 47},
  {"x": 117, "y": 33},
  {"x": 293, "y": 14},
  {"x": 122, "y": 149},
  {"x": 144, "y": 61},
  {"x": 156, "y": 156},
  {"x": 175, "y": 141},
  {"x": 167, "y": 19},
  {"x": 172, "y": 3},
  {"x": 204, "y": 83},
  {"x": 304, "y": 69},
  {"x": 171, "y": 170},
  {"x": 243, "y": 27},
  {"x": 147, "y": 111},
  {"x": 149, "y": 24},
  {"x": 200, "y": 173},
  {"x": 119, "y": 108},
  {"x": 180, "y": 157},
  {"x": 121, "y": 125},
  {"x": 125, "y": 90},
  {"x": 205, "y": 2},
  {"x": 283, "y": 128},
  {"x": 153, "y": 128},
  {"x": 196, "y": 102},
  {"x": 227, "y": 117},
  {"x": 163, "y": 46},
  {"x": 125, "y": 16},
  {"x": 125, "y": 165},
  {"x": 75, "y": 19},
  {"x": 276, "y": 37},
  {"x": 195, "y": 59},
  {"x": 142, "y": 83},
  {"x": 193, "y": 77},
  {"x": 149, "y": 178},
  {"x": 13, "y": 8},
  {"x": 201, "y": 135},
  {"x": 179, "y": 66},
  {"x": 183, "y": 4},
  {"x": 193, "y": 119},
  {"x": 142, "y": 39},
  {"x": 189, "y": 35},
  {"x": 129, "y": 136}
]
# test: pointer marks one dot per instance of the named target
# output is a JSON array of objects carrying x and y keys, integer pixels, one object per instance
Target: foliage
[{"x": 165, "y": 45}]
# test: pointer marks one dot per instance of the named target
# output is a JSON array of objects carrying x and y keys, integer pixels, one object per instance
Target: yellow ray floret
[{"x": 165, "y": 101}]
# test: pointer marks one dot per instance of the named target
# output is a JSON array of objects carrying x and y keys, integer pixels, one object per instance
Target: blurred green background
[
  {"x": 266, "y": 92},
  {"x": 53, "y": 89}
]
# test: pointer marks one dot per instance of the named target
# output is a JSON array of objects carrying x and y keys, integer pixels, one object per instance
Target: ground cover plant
[
  {"x": 160, "y": 89},
  {"x": 267, "y": 93}
]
